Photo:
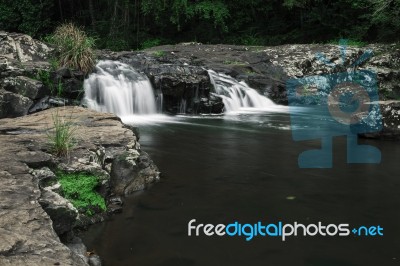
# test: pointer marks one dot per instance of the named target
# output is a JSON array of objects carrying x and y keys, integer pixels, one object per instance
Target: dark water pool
[{"x": 244, "y": 168}]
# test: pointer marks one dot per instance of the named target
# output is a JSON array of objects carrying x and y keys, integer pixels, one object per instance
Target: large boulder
[
  {"x": 28, "y": 87},
  {"x": 13, "y": 105},
  {"x": 132, "y": 171},
  {"x": 22, "y": 47}
]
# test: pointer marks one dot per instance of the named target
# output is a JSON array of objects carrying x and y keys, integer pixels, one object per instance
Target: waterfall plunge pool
[{"x": 243, "y": 167}]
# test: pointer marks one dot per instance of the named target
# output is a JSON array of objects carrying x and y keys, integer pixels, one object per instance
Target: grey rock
[
  {"x": 130, "y": 172},
  {"x": 45, "y": 176},
  {"x": 33, "y": 89},
  {"x": 28, "y": 232},
  {"x": 13, "y": 105},
  {"x": 390, "y": 118},
  {"x": 22, "y": 47},
  {"x": 78, "y": 248},
  {"x": 61, "y": 211},
  {"x": 94, "y": 260}
]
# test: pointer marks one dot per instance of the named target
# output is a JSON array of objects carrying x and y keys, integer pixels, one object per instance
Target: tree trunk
[{"x": 92, "y": 17}]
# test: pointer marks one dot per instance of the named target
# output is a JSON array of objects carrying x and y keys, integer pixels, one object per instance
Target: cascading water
[
  {"x": 119, "y": 89},
  {"x": 237, "y": 95}
]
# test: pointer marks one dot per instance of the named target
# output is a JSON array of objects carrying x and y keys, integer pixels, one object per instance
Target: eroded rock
[{"x": 32, "y": 212}]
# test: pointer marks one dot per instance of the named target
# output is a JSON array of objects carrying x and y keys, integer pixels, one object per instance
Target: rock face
[
  {"x": 31, "y": 210},
  {"x": 179, "y": 70},
  {"x": 28, "y": 82},
  {"x": 390, "y": 116},
  {"x": 22, "y": 47}
]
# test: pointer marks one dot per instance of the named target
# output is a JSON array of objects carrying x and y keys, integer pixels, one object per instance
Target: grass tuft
[
  {"x": 74, "y": 46},
  {"x": 61, "y": 137}
]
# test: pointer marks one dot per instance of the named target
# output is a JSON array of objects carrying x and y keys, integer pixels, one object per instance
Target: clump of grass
[
  {"x": 79, "y": 188},
  {"x": 159, "y": 53},
  {"x": 61, "y": 137},
  {"x": 75, "y": 48}
]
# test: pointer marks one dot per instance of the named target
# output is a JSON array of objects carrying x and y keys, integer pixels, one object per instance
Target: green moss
[{"x": 79, "y": 188}]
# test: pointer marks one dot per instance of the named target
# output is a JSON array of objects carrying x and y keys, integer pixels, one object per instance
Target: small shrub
[
  {"x": 61, "y": 138},
  {"x": 75, "y": 48},
  {"x": 150, "y": 43},
  {"x": 79, "y": 188}
]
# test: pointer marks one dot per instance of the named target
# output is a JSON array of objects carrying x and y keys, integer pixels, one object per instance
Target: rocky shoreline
[{"x": 33, "y": 212}]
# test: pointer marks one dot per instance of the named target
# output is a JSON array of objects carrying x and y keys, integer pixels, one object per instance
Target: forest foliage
[{"x": 136, "y": 24}]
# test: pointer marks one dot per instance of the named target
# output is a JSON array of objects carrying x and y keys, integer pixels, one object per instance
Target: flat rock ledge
[{"x": 104, "y": 147}]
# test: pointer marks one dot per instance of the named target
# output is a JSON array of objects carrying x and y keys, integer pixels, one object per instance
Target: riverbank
[{"x": 32, "y": 212}]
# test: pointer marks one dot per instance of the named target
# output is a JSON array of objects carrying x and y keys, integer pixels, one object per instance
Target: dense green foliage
[
  {"x": 80, "y": 190},
  {"x": 135, "y": 24}
]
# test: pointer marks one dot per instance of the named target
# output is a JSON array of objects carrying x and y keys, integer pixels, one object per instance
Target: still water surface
[{"x": 243, "y": 167}]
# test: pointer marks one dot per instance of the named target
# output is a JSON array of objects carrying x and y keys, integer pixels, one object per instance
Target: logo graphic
[
  {"x": 281, "y": 230},
  {"x": 337, "y": 104}
]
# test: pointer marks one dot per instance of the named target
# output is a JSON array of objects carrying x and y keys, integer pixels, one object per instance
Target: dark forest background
[{"x": 137, "y": 24}]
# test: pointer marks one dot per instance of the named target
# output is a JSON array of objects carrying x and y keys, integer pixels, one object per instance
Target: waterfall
[
  {"x": 237, "y": 95},
  {"x": 182, "y": 106},
  {"x": 119, "y": 89}
]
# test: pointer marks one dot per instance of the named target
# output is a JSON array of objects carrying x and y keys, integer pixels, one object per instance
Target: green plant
[
  {"x": 79, "y": 188},
  {"x": 54, "y": 64},
  {"x": 61, "y": 137},
  {"x": 75, "y": 48},
  {"x": 59, "y": 89},
  {"x": 159, "y": 53},
  {"x": 44, "y": 77},
  {"x": 150, "y": 43}
]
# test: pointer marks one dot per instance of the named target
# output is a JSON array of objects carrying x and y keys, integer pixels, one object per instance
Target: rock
[
  {"x": 72, "y": 88},
  {"x": 94, "y": 260},
  {"x": 78, "y": 248},
  {"x": 32, "y": 211},
  {"x": 45, "y": 176},
  {"x": 132, "y": 171},
  {"x": 22, "y": 47},
  {"x": 390, "y": 112},
  {"x": 64, "y": 72},
  {"x": 61, "y": 211},
  {"x": 26, "y": 230},
  {"x": 180, "y": 72},
  {"x": 13, "y": 105},
  {"x": 33, "y": 89}
]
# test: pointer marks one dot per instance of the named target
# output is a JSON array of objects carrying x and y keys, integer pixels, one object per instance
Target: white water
[
  {"x": 237, "y": 95},
  {"x": 118, "y": 88}
]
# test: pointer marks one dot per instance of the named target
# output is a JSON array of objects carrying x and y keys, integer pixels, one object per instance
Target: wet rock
[
  {"x": 78, "y": 248},
  {"x": 390, "y": 117},
  {"x": 132, "y": 171},
  {"x": 94, "y": 260},
  {"x": 181, "y": 70}
]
